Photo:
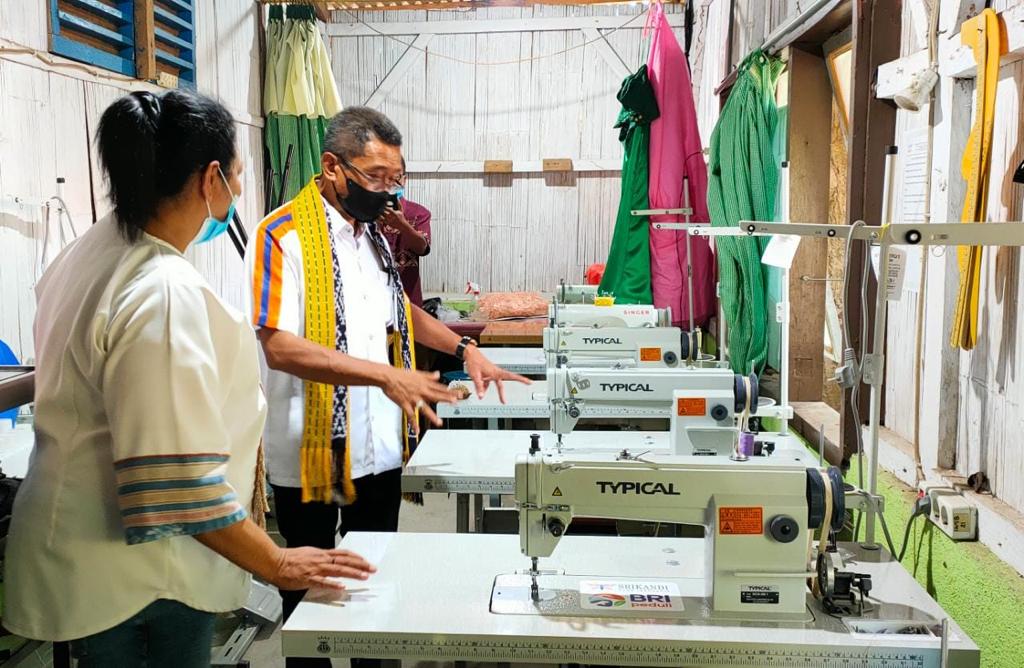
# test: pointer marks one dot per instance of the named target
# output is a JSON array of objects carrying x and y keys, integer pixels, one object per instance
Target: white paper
[
  {"x": 781, "y": 250},
  {"x": 649, "y": 596},
  {"x": 896, "y": 276},
  {"x": 912, "y": 197}
]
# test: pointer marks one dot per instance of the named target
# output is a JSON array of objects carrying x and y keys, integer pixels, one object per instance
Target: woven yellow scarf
[{"x": 316, "y": 455}]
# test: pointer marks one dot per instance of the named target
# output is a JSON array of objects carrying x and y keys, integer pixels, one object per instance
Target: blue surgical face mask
[{"x": 212, "y": 227}]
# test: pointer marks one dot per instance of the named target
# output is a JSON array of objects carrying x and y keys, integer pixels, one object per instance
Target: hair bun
[{"x": 150, "y": 105}]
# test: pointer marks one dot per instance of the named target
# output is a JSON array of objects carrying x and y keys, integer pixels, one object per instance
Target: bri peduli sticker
[{"x": 623, "y": 595}]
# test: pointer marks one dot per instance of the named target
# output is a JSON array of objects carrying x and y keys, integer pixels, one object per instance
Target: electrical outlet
[
  {"x": 950, "y": 512},
  {"x": 957, "y": 518}
]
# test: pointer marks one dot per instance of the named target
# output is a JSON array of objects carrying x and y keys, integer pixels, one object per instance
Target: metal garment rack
[{"x": 885, "y": 237}]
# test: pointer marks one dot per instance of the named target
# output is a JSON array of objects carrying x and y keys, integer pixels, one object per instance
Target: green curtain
[
  {"x": 306, "y": 136},
  {"x": 627, "y": 274},
  {"x": 743, "y": 179},
  {"x": 299, "y": 96}
]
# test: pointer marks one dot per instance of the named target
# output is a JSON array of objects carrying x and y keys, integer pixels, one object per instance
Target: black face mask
[{"x": 362, "y": 204}]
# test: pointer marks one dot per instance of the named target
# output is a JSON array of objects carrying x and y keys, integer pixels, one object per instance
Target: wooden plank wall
[
  {"x": 901, "y": 330},
  {"x": 753, "y": 20},
  {"x": 506, "y": 232},
  {"x": 990, "y": 412},
  {"x": 49, "y": 116}
]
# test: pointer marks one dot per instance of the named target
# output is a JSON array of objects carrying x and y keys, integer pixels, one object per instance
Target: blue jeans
[{"x": 164, "y": 634}]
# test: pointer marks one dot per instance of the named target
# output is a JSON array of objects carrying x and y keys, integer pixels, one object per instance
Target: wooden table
[{"x": 514, "y": 333}]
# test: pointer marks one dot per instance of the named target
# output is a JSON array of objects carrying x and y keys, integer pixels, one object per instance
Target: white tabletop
[
  {"x": 431, "y": 600},
  {"x": 521, "y": 401},
  {"x": 473, "y": 461},
  {"x": 529, "y": 361}
]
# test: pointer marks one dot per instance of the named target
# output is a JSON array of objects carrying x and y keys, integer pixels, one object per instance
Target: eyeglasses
[{"x": 391, "y": 186}]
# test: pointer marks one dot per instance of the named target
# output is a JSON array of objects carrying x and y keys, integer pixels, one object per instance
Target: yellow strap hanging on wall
[{"x": 982, "y": 33}]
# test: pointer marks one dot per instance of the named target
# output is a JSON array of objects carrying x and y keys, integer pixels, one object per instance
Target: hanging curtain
[
  {"x": 627, "y": 274},
  {"x": 676, "y": 154},
  {"x": 743, "y": 185},
  {"x": 299, "y": 96}
]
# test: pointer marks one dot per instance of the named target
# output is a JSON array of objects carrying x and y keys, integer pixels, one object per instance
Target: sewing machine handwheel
[
  {"x": 816, "y": 499},
  {"x": 688, "y": 346},
  {"x": 838, "y": 498},
  {"x": 740, "y": 392},
  {"x": 826, "y": 577}
]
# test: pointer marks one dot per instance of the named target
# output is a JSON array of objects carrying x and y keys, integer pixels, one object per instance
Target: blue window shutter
[{"x": 96, "y": 32}]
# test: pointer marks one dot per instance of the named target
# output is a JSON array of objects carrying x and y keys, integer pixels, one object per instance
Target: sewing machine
[
  {"x": 576, "y": 294},
  {"x": 756, "y": 515},
  {"x": 616, "y": 315},
  {"x": 703, "y": 404},
  {"x": 616, "y": 347}
]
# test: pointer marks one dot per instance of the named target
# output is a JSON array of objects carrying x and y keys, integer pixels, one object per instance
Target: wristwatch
[{"x": 460, "y": 350}]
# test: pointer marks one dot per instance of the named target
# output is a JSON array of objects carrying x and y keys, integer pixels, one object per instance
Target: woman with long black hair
[{"x": 135, "y": 523}]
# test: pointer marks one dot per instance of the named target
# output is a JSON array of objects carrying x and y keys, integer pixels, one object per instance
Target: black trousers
[{"x": 378, "y": 499}]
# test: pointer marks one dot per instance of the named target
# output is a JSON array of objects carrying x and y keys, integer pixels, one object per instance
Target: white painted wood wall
[
  {"x": 990, "y": 413},
  {"x": 512, "y": 231},
  {"x": 48, "y": 116}
]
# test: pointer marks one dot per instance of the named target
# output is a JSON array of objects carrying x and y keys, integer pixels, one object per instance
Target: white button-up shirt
[
  {"x": 274, "y": 261},
  {"x": 148, "y": 421}
]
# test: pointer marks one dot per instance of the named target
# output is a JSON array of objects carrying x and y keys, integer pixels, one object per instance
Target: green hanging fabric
[
  {"x": 299, "y": 96},
  {"x": 305, "y": 135},
  {"x": 743, "y": 179},
  {"x": 627, "y": 275}
]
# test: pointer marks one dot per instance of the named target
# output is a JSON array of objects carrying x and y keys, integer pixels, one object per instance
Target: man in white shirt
[{"x": 336, "y": 328}]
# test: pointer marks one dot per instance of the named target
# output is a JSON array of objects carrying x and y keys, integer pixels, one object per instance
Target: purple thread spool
[{"x": 746, "y": 444}]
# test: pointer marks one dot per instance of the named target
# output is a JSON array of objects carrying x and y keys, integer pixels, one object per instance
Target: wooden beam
[
  {"x": 414, "y": 52},
  {"x": 876, "y": 40},
  {"x": 954, "y": 59},
  {"x": 476, "y": 26},
  {"x": 145, "y": 41},
  {"x": 607, "y": 53},
  {"x": 810, "y": 142}
]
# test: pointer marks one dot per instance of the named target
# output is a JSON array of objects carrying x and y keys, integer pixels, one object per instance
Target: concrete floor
[{"x": 437, "y": 515}]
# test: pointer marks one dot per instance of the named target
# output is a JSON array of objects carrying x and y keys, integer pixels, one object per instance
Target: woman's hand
[
  {"x": 306, "y": 567},
  {"x": 412, "y": 389}
]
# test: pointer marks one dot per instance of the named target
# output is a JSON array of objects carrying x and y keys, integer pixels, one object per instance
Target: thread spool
[{"x": 746, "y": 445}]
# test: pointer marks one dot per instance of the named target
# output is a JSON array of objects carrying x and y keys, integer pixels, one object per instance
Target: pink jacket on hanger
[{"x": 677, "y": 152}]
